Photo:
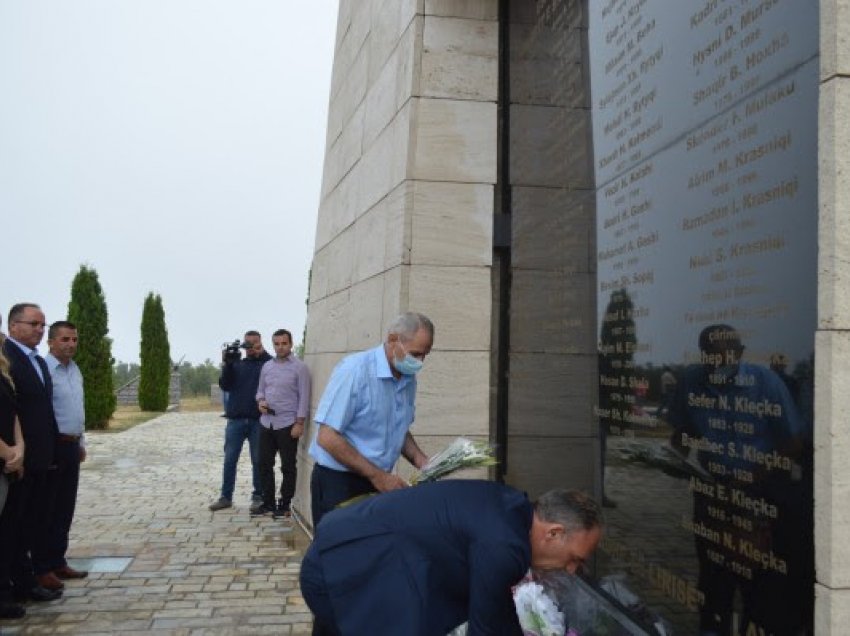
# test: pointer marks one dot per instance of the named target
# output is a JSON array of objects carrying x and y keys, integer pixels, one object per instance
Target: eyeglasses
[{"x": 35, "y": 324}]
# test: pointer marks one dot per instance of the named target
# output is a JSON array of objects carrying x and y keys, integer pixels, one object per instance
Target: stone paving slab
[{"x": 144, "y": 494}]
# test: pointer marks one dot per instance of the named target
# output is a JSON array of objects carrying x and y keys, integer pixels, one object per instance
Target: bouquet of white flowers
[
  {"x": 461, "y": 453},
  {"x": 538, "y": 615},
  {"x": 537, "y": 612}
]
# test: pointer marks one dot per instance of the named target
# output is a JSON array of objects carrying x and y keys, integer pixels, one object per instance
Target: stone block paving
[{"x": 144, "y": 494}]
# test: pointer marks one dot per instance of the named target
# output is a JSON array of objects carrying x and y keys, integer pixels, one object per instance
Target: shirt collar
[
  {"x": 382, "y": 366},
  {"x": 29, "y": 351},
  {"x": 53, "y": 362}
]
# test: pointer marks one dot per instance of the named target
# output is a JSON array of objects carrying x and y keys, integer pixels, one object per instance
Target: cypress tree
[
  {"x": 155, "y": 356},
  {"x": 87, "y": 310}
]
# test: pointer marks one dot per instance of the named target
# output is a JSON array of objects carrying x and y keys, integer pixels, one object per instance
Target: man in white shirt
[{"x": 69, "y": 407}]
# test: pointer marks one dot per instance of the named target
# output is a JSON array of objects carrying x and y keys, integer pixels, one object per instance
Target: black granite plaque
[{"x": 704, "y": 135}]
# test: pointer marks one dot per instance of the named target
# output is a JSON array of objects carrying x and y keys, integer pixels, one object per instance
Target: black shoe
[
  {"x": 11, "y": 611},
  {"x": 256, "y": 504},
  {"x": 221, "y": 504},
  {"x": 281, "y": 511},
  {"x": 38, "y": 594},
  {"x": 262, "y": 511},
  {"x": 67, "y": 572}
]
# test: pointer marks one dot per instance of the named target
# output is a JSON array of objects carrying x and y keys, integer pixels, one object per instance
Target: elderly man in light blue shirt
[
  {"x": 69, "y": 406},
  {"x": 364, "y": 417}
]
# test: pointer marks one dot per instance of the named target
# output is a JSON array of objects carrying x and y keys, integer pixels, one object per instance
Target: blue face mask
[{"x": 407, "y": 365}]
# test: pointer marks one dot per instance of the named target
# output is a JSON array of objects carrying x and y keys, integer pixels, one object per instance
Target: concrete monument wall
[
  {"x": 129, "y": 393},
  {"x": 832, "y": 339},
  {"x": 406, "y": 212}
]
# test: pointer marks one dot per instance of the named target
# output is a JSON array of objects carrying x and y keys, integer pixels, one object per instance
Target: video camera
[{"x": 230, "y": 351}]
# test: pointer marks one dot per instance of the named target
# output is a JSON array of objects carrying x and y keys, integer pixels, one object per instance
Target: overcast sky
[{"x": 176, "y": 146}]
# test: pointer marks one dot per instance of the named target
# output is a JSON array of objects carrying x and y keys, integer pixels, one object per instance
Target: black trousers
[
  {"x": 67, "y": 482},
  {"x": 329, "y": 488},
  {"x": 33, "y": 498},
  {"x": 278, "y": 442},
  {"x": 10, "y": 529}
]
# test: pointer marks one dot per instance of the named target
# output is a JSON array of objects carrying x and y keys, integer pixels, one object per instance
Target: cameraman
[{"x": 240, "y": 379}]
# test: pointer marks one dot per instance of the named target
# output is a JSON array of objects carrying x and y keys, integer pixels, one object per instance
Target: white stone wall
[
  {"x": 406, "y": 213},
  {"x": 832, "y": 342}
]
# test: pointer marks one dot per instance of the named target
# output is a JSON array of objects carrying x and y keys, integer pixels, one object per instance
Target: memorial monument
[
  {"x": 627, "y": 219},
  {"x": 705, "y": 146}
]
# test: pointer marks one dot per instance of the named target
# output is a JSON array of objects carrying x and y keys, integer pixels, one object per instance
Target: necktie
[{"x": 40, "y": 366}]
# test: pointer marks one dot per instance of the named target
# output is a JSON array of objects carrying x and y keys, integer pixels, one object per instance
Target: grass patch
[
  {"x": 126, "y": 417},
  {"x": 200, "y": 404}
]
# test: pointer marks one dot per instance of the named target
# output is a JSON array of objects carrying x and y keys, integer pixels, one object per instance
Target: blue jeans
[{"x": 235, "y": 434}]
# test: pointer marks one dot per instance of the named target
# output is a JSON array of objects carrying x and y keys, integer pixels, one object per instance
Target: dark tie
[{"x": 45, "y": 372}]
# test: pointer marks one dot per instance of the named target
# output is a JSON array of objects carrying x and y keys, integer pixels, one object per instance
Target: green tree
[
  {"x": 196, "y": 380},
  {"x": 155, "y": 355},
  {"x": 87, "y": 310}
]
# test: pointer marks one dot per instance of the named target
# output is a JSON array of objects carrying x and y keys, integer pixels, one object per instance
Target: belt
[{"x": 69, "y": 438}]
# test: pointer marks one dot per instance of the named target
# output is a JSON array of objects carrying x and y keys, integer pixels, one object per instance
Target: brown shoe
[
  {"x": 67, "y": 572},
  {"x": 49, "y": 582}
]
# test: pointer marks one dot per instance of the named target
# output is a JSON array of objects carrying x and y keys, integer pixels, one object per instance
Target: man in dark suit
[
  {"x": 26, "y": 519},
  {"x": 421, "y": 561}
]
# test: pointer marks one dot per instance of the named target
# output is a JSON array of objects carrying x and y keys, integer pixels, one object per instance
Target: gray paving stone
[{"x": 144, "y": 494}]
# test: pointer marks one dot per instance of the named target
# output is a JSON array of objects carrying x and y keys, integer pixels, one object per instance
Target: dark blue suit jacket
[
  {"x": 35, "y": 408},
  {"x": 422, "y": 560}
]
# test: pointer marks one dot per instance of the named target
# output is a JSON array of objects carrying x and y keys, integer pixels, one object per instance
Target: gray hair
[
  {"x": 572, "y": 509},
  {"x": 408, "y": 324},
  {"x": 18, "y": 310}
]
